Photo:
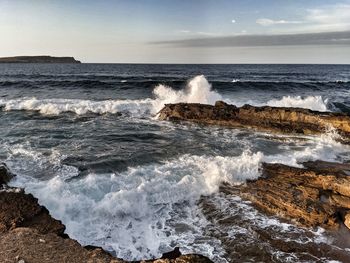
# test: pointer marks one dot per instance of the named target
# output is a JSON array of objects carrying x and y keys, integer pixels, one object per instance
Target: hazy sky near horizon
[{"x": 179, "y": 31}]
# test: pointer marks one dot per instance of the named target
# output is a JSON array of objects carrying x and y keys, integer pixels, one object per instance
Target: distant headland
[{"x": 39, "y": 59}]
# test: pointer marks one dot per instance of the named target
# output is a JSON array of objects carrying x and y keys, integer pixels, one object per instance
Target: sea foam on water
[{"x": 198, "y": 90}]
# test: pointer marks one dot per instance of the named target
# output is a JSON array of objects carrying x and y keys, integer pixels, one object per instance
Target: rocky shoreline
[
  {"x": 316, "y": 194},
  {"x": 28, "y": 234},
  {"x": 276, "y": 119}
]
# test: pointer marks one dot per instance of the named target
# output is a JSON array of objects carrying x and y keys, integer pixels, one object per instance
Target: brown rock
[
  {"x": 314, "y": 196},
  {"x": 18, "y": 209},
  {"x": 24, "y": 243},
  {"x": 287, "y": 120}
]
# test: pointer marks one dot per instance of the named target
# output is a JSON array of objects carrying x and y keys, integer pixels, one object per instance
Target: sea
[{"x": 85, "y": 140}]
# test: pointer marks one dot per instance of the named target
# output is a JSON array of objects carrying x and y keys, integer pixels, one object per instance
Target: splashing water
[
  {"x": 316, "y": 103},
  {"x": 198, "y": 90}
]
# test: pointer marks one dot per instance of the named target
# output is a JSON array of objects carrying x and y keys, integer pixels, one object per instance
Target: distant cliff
[{"x": 38, "y": 59}]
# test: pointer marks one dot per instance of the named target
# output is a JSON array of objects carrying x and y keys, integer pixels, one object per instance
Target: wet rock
[
  {"x": 172, "y": 254},
  {"x": 279, "y": 119},
  {"x": 5, "y": 174},
  {"x": 317, "y": 195}
]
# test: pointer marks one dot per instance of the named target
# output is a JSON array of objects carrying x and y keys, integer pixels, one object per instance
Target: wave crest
[
  {"x": 316, "y": 103},
  {"x": 198, "y": 90}
]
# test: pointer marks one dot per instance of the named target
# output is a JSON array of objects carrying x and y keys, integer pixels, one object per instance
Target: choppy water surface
[{"x": 84, "y": 140}]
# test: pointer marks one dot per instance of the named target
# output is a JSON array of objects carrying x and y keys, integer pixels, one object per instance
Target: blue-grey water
[{"x": 85, "y": 140}]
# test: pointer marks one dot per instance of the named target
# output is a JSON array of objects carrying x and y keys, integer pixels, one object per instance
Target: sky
[{"x": 178, "y": 31}]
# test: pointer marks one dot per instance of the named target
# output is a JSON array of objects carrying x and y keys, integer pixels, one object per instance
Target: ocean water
[{"x": 84, "y": 139}]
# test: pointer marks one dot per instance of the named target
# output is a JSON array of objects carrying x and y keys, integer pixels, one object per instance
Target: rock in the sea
[
  {"x": 318, "y": 195},
  {"x": 5, "y": 174},
  {"x": 288, "y": 120}
]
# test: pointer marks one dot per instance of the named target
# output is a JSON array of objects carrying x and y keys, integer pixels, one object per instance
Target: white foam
[
  {"x": 198, "y": 90},
  {"x": 147, "y": 210},
  {"x": 325, "y": 147},
  {"x": 57, "y": 106},
  {"x": 134, "y": 212},
  {"x": 316, "y": 103}
]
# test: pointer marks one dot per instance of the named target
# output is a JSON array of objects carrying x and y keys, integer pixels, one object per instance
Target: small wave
[
  {"x": 316, "y": 103},
  {"x": 57, "y": 106}
]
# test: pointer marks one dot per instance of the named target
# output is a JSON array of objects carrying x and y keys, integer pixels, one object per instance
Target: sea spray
[
  {"x": 316, "y": 103},
  {"x": 198, "y": 90}
]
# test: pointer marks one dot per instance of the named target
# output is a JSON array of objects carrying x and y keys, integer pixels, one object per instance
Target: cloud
[
  {"x": 327, "y": 38},
  {"x": 233, "y": 21},
  {"x": 327, "y": 18},
  {"x": 270, "y": 22}
]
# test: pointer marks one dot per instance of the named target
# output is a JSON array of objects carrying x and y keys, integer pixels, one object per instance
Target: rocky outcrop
[
  {"x": 5, "y": 174},
  {"x": 317, "y": 195},
  {"x": 28, "y": 233},
  {"x": 39, "y": 59},
  {"x": 287, "y": 120}
]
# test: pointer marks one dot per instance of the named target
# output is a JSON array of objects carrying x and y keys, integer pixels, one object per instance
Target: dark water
[{"x": 84, "y": 139}]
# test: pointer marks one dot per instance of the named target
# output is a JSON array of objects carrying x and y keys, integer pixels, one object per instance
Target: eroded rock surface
[
  {"x": 279, "y": 119},
  {"x": 317, "y": 195}
]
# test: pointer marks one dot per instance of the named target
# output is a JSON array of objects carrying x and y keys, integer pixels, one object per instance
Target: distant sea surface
[{"x": 84, "y": 139}]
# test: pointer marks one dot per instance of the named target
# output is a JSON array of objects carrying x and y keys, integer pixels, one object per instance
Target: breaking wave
[
  {"x": 198, "y": 90},
  {"x": 316, "y": 103},
  {"x": 139, "y": 213}
]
